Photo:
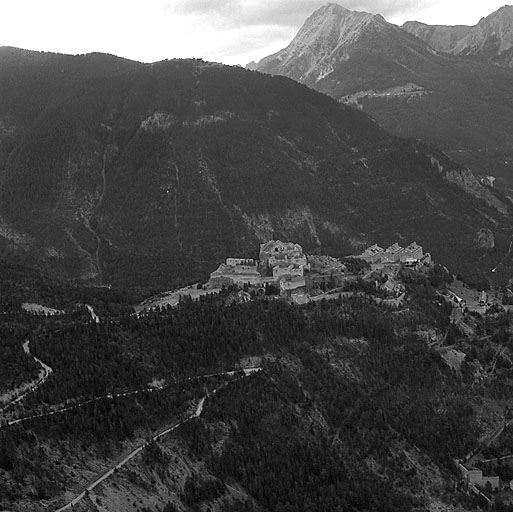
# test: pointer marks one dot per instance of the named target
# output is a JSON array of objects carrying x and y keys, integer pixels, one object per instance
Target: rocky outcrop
[
  {"x": 465, "y": 179},
  {"x": 485, "y": 240}
]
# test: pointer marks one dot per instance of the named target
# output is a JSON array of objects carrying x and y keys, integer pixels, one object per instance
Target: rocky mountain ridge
[
  {"x": 463, "y": 105},
  {"x": 327, "y": 34},
  {"x": 442, "y": 38},
  {"x": 491, "y": 39},
  {"x": 333, "y": 35}
]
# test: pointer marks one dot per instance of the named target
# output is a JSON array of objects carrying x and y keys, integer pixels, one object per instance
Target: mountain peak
[
  {"x": 504, "y": 10},
  {"x": 326, "y": 36},
  {"x": 332, "y": 7}
]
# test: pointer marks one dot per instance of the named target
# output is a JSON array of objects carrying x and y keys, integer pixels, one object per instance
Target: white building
[
  {"x": 392, "y": 254},
  {"x": 276, "y": 251},
  {"x": 299, "y": 297},
  {"x": 290, "y": 284},
  {"x": 289, "y": 271},
  {"x": 372, "y": 254},
  {"x": 412, "y": 252},
  {"x": 238, "y": 275},
  {"x": 232, "y": 262}
]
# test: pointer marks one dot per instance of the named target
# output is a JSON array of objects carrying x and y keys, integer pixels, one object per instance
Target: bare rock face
[
  {"x": 440, "y": 37},
  {"x": 465, "y": 179},
  {"x": 491, "y": 39},
  {"x": 485, "y": 240},
  {"x": 330, "y": 38}
]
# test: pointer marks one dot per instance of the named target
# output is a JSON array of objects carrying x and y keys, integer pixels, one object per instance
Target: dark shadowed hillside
[{"x": 151, "y": 174}]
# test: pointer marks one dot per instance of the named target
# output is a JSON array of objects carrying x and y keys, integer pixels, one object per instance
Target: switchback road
[
  {"x": 197, "y": 412},
  {"x": 44, "y": 373}
]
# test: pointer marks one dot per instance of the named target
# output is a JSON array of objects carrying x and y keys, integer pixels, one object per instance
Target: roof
[
  {"x": 288, "y": 246},
  {"x": 372, "y": 250},
  {"x": 394, "y": 248},
  {"x": 413, "y": 246},
  {"x": 294, "y": 279},
  {"x": 390, "y": 285}
]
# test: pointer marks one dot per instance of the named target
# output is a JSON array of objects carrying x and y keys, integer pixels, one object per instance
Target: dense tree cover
[
  {"x": 192, "y": 339},
  {"x": 24, "y": 283},
  {"x": 303, "y": 462},
  {"x": 345, "y": 382},
  {"x": 355, "y": 265},
  {"x": 198, "y": 489},
  {"x": 299, "y": 467},
  {"x": 15, "y": 366},
  {"x": 21, "y": 284},
  {"x": 502, "y": 447},
  {"x": 455, "y": 119},
  {"x": 489, "y": 352},
  {"x": 107, "y": 421},
  {"x": 276, "y": 153}
]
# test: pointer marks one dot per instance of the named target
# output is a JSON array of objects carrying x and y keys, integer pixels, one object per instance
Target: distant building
[
  {"x": 373, "y": 254},
  {"x": 299, "y": 298},
  {"x": 237, "y": 274},
  {"x": 290, "y": 284},
  {"x": 246, "y": 269},
  {"x": 238, "y": 298},
  {"x": 412, "y": 252},
  {"x": 455, "y": 298},
  {"x": 377, "y": 257},
  {"x": 392, "y": 254},
  {"x": 392, "y": 287},
  {"x": 426, "y": 259},
  {"x": 275, "y": 252},
  {"x": 494, "y": 481},
  {"x": 289, "y": 271},
  {"x": 475, "y": 477},
  {"x": 232, "y": 262},
  {"x": 326, "y": 265}
]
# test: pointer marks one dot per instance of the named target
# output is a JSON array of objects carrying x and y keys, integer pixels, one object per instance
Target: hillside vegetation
[
  {"x": 467, "y": 111},
  {"x": 149, "y": 175},
  {"x": 343, "y": 406}
]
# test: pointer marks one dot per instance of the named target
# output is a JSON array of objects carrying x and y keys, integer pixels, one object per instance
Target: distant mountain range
[
  {"x": 148, "y": 175},
  {"x": 491, "y": 39},
  {"x": 337, "y": 50},
  {"x": 461, "y": 102}
]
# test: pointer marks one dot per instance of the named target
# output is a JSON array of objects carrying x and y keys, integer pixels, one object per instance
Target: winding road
[
  {"x": 44, "y": 373},
  {"x": 94, "y": 316},
  {"x": 197, "y": 412},
  {"x": 78, "y": 405},
  {"x": 111, "y": 396}
]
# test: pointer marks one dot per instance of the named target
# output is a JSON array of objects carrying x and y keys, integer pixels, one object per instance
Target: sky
[{"x": 228, "y": 31}]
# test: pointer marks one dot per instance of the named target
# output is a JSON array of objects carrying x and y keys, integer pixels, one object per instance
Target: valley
[
  {"x": 275, "y": 289},
  {"x": 123, "y": 385}
]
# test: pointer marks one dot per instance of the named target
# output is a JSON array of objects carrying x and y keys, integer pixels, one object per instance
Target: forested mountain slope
[
  {"x": 152, "y": 174},
  {"x": 460, "y": 103},
  {"x": 344, "y": 414}
]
